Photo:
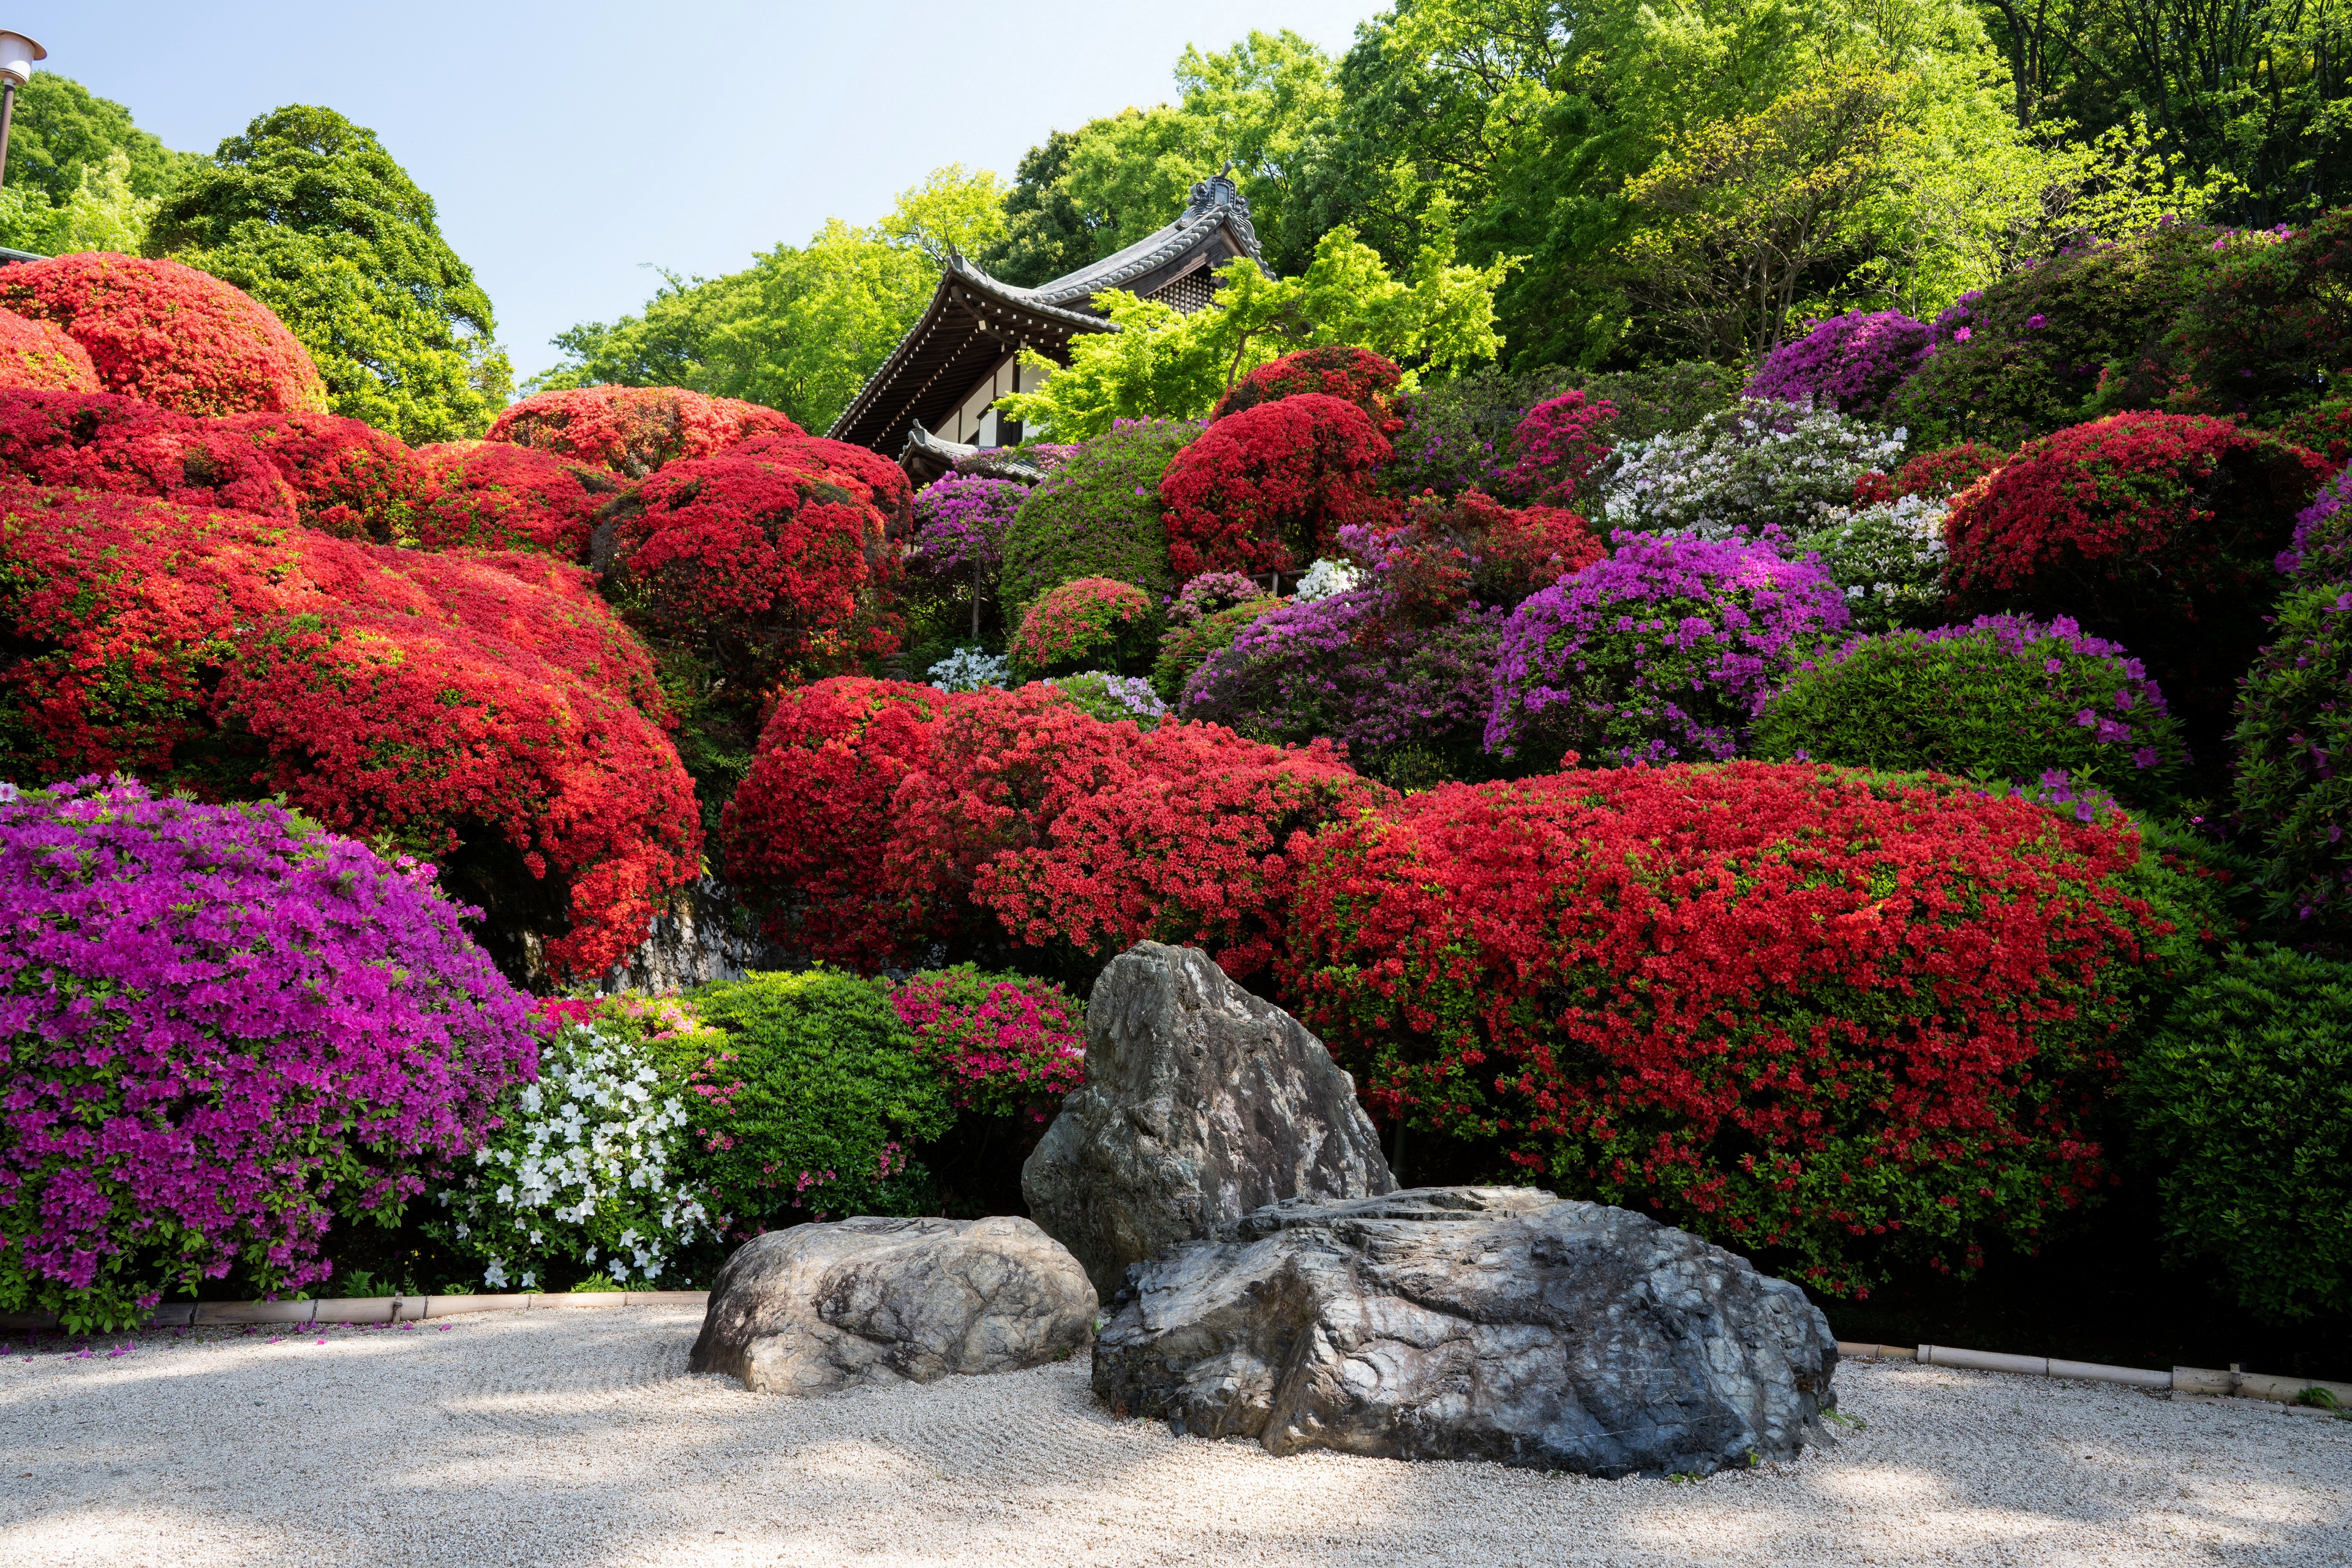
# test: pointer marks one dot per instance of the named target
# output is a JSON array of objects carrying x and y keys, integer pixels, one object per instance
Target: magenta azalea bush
[
  {"x": 959, "y": 522},
  {"x": 222, "y": 1027},
  {"x": 1853, "y": 363},
  {"x": 1658, "y": 654},
  {"x": 2323, "y": 531},
  {"x": 1003, "y": 1044}
]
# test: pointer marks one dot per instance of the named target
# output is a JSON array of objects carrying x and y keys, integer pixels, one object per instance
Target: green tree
[
  {"x": 802, "y": 327},
  {"x": 63, "y": 133},
  {"x": 310, "y": 214},
  {"x": 1046, "y": 233},
  {"x": 101, "y": 213}
]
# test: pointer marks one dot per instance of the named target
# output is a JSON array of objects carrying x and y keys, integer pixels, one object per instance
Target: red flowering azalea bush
[
  {"x": 633, "y": 430},
  {"x": 865, "y": 473},
  {"x": 1084, "y": 837},
  {"x": 1353, "y": 376},
  {"x": 164, "y": 333},
  {"x": 2324, "y": 427},
  {"x": 1561, "y": 444},
  {"x": 1091, "y": 624},
  {"x": 1451, "y": 550},
  {"x": 1003, "y": 1044},
  {"x": 349, "y": 478},
  {"x": 38, "y": 353},
  {"x": 1270, "y": 487},
  {"x": 447, "y": 705},
  {"x": 806, "y": 831},
  {"x": 222, "y": 1028},
  {"x": 1939, "y": 475},
  {"x": 494, "y": 495},
  {"x": 2159, "y": 531},
  {"x": 1837, "y": 1015},
  {"x": 767, "y": 566},
  {"x": 97, "y": 440}
]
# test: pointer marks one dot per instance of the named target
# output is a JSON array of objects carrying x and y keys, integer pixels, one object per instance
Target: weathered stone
[
  {"x": 872, "y": 1301},
  {"x": 1472, "y": 1323},
  {"x": 1201, "y": 1103}
]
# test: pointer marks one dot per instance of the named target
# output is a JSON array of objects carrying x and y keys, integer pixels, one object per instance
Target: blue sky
[{"x": 568, "y": 144}]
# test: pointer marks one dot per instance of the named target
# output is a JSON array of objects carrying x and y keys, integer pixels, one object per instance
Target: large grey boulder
[
  {"x": 1201, "y": 1103},
  {"x": 870, "y": 1300},
  {"x": 1472, "y": 1323}
]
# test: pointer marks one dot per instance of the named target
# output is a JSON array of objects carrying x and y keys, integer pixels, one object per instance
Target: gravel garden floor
[{"x": 578, "y": 1437}]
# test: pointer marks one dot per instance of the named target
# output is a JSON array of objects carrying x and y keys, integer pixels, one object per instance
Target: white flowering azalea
[
  {"x": 1760, "y": 466},
  {"x": 584, "y": 1165},
  {"x": 1325, "y": 578},
  {"x": 969, "y": 669},
  {"x": 1888, "y": 557}
]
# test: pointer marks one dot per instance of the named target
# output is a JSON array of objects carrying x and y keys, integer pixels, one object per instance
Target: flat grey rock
[
  {"x": 1201, "y": 1103},
  {"x": 1493, "y": 1324},
  {"x": 877, "y": 1302}
]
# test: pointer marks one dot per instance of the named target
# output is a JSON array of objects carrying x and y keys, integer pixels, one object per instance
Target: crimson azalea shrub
[
  {"x": 2005, "y": 696},
  {"x": 863, "y": 472},
  {"x": 806, "y": 833},
  {"x": 494, "y": 495},
  {"x": 764, "y": 566},
  {"x": 164, "y": 333},
  {"x": 1452, "y": 552},
  {"x": 1352, "y": 375},
  {"x": 1939, "y": 475},
  {"x": 2324, "y": 427},
  {"x": 2294, "y": 725},
  {"x": 2030, "y": 354},
  {"x": 1084, "y": 838},
  {"x": 447, "y": 705},
  {"x": 98, "y": 441},
  {"x": 349, "y": 478},
  {"x": 1097, "y": 515},
  {"x": 38, "y": 353},
  {"x": 1003, "y": 1044},
  {"x": 1837, "y": 1016},
  {"x": 1658, "y": 653},
  {"x": 1270, "y": 487},
  {"x": 633, "y": 430},
  {"x": 222, "y": 1028},
  {"x": 1854, "y": 362},
  {"x": 1091, "y": 624},
  {"x": 2159, "y": 531},
  {"x": 1559, "y": 445}
]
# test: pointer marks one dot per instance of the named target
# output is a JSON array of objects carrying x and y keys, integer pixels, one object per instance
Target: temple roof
[{"x": 974, "y": 320}]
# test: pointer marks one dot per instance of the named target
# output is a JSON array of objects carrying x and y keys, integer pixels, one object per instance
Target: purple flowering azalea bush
[
  {"x": 2323, "y": 531},
  {"x": 1658, "y": 654},
  {"x": 1855, "y": 364},
  {"x": 224, "y": 1028},
  {"x": 2004, "y": 697},
  {"x": 2293, "y": 793}
]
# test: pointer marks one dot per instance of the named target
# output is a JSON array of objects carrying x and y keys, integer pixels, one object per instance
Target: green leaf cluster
[{"x": 1098, "y": 515}]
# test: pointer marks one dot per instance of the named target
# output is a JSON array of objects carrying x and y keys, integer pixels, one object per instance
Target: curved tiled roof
[{"x": 1216, "y": 203}]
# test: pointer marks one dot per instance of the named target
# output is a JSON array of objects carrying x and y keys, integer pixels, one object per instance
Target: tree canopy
[{"x": 309, "y": 213}]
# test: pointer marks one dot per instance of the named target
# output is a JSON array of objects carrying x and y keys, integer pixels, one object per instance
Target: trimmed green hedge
[{"x": 1096, "y": 516}]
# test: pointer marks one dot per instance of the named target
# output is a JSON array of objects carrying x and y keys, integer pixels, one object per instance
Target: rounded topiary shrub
[
  {"x": 768, "y": 566},
  {"x": 349, "y": 478},
  {"x": 38, "y": 355},
  {"x": 633, "y": 430},
  {"x": 1270, "y": 487},
  {"x": 1114, "y": 699},
  {"x": 1836, "y": 1017},
  {"x": 813, "y": 1106},
  {"x": 1853, "y": 363},
  {"x": 1097, "y": 515},
  {"x": 1752, "y": 470},
  {"x": 806, "y": 831},
  {"x": 103, "y": 441},
  {"x": 494, "y": 495},
  {"x": 508, "y": 729},
  {"x": 1093, "y": 622},
  {"x": 2294, "y": 722},
  {"x": 167, "y": 333},
  {"x": 2030, "y": 354},
  {"x": 2159, "y": 531},
  {"x": 1657, "y": 654},
  {"x": 2004, "y": 697},
  {"x": 1352, "y": 375},
  {"x": 224, "y": 1028},
  {"x": 1188, "y": 645},
  {"x": 2244, "y": 1109}
]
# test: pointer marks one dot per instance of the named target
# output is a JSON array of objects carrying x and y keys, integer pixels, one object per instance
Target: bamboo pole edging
[
  {"x": 2234, "y": 1383},
  {"x": 374, "y": 1309}
]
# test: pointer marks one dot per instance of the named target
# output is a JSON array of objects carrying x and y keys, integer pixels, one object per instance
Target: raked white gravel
[{"x": 574, "y": 1438}]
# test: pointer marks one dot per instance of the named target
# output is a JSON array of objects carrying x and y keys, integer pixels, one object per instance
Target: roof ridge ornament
[{"x": 1220, "y": 191}]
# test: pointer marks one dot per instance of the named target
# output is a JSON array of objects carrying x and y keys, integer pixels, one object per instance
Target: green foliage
[
  {"x": 1437, "y": 316},
  {"x": 2042, "y": 340},
  {"x": 2293, "y": 723},
  {"x": 101, "y": 213},
  {"x": 308, "y": 213},
  {"x": 1184, "y": 648},
  {"x": 1096, "y": 516},
  {"x": 813, "y": 1101},
  {"x": 1046, "y": 233},
  {"x": 2005, "y": 698},
  {"x": 2244, "y": 1109},
  {"x": 64, "y": 134},
  {"x": 801, "y": 328}
]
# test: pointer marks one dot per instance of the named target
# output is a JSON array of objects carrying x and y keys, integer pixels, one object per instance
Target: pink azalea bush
[
  {"x": 1004, "y": 1045},
  {"x": 220, "y": 1028}
]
